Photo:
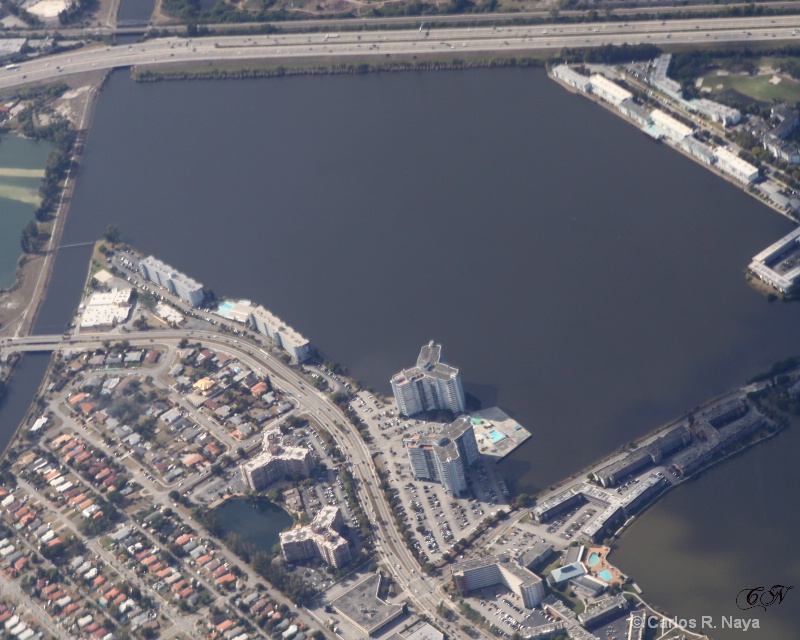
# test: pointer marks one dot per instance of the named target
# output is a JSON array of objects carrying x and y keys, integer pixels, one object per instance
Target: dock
[{"x": 497, "y": 433}]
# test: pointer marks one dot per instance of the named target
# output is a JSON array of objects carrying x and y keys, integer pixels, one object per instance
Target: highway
[
  {"x": 619, "y": 10},
  {"x": 408, "y": 42}
]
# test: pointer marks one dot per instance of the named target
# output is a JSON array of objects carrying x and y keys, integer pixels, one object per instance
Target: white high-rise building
[
  {"x": 446, "y": 456},
  {"x": 284, "y": 337},
  {"x": 276, "y": 462},
  {"x": 319, "y": 539},
  {"x": 173, "y": 281},
  {"x": 431, "y": 385},
  {"x": 479, "y": 573}
]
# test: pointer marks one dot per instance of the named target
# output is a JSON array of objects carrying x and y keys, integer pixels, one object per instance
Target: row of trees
[
  {"x": 77, "y": 11},
  {"x": 31, "y": 238},
  {"x": 62, "y": 136},
  {"x": 266, "y": 565}
]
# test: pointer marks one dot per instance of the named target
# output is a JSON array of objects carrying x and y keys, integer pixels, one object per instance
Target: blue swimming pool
[
  {"x": 593, "y": 559},
  {"x": 496, "y": 436},
  {"x": 605, "y": 574}
]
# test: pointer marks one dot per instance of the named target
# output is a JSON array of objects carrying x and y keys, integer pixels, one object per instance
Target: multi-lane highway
[{"x": 380, "y": 44}]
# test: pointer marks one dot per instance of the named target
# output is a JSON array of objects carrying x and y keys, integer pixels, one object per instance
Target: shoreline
[
  {"x": 24, "y": 324},
  {"x": 746, "y": 188},
  {"x": 60, "y": 220},
  {"x": 274, "y": 69},
  {"x": 40, "y": 265},
  {"x": 517, "y": 514}
]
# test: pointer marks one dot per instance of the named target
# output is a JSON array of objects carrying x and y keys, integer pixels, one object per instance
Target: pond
[{"x": 256, "y": 520}]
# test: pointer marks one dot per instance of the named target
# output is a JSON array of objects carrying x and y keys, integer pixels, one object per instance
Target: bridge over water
[{"x": 68, "y": 246}]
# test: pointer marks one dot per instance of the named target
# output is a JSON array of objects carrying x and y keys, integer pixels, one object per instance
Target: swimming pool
[
  {"x": 605, "y": 574},
  {"x": 593, "y": 559},
  {"x": 496, "y": 436}
]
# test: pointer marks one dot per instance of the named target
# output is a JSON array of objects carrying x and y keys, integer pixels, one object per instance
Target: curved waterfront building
[{"x": 431, "y": 385}]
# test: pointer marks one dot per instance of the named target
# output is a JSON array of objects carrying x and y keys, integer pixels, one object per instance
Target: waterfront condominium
[
  {"x": 284, "y": 337},
  {"x": 478, "y": 573},
  {"x": 430, "y": 385},
  {"x": 173, "y": 281},
  {"x": 276, "y": 462},
  {"x": 321, "y": 539},
  {"x": 444, "y": 457}
]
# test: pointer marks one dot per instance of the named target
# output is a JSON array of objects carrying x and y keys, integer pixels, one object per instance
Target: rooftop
[
  {"x": 289, "y": 336},
  {"x": 612, "y": 88},
  {"x": 566, "y": 572},
  {"x": 444, "y": 442},
  {"x": 364, "y": 608},
  {"x": 735, "y": 162},
  {"x": 428, "y": 364},
  {"x": 534, "y": 553},
  {"x": 525, "y": 576}
]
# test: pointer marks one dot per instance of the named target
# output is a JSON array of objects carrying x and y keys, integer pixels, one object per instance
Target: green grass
[
  {"x": 756, "y": 87},
  {"x": 572, "y": 601}
]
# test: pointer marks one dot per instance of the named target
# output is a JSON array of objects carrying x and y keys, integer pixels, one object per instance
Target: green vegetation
[
  {"x": 568, "y": 597},
  {"x": 268, "y": 566},
  {"x": 780, "y": 367},
  {"x": 31, "y": 238},
  {"x": 59, "y": 132},
  {"x": 62, "y": 137},
  {"x": 79, "y": 11},
  {"x": 267, "y": 69},
  {"x": 523, "y": 500},
  {"x": 14, "y": 9},
  {"x": 739, "y": 85},
  {"x": 757, "y": 87},
  {"x": 188, "y": 10},
  {"x": 610, "y": 53},
  {"x": 111, "y": 234},
  {"x": 471, "y": 614}
]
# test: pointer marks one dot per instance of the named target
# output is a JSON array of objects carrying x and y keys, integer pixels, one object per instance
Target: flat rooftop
[
  {"x": 362, "y": 606},
  {"x": 496, "y": 433},
  {"x": 779, "y": 263}
]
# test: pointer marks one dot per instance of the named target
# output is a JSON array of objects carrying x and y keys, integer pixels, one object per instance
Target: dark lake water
[
  {"x": 139, "y": 10},
  {"x": 19, "y": 394},
  {"x": 583, "y": 277},
  {"x": 257, "y": 520}
]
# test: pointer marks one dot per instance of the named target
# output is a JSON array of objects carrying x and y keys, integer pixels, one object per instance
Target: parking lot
[
  {"x": 328, "y": 490},
  {"x": 504, "y": 609},
  {"x": 436, "y": 519}
]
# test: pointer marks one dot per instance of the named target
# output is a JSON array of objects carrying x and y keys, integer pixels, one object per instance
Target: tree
[
  {"x": 148, "y": 300},
  {"x": 111, "y": 234},
  {"x": 30, "y": 239},
  {"x": 523, "y": 500}
]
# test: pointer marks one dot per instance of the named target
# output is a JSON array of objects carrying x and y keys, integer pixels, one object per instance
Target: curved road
[{"x": 420, "y": 590}]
